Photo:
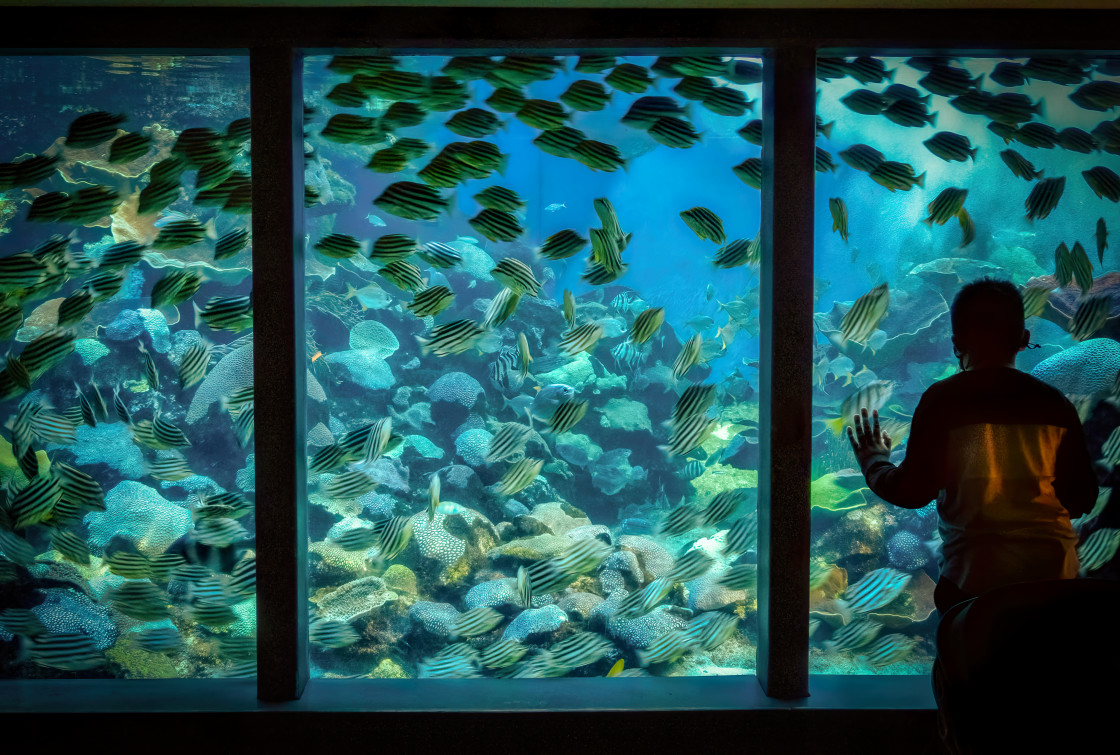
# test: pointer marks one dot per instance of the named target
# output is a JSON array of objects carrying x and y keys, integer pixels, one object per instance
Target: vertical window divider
[
  {"x": 786, "y": 337},
  {"x": 276, "y": 87}
]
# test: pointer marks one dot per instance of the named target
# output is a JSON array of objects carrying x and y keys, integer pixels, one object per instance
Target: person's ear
[
  {"x": 1025, "y": 340},
  {"x": 956, "y": 348}
]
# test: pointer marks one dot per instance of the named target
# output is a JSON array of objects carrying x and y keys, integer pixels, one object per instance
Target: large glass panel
[
  {"x": 935, "y": 172},
  {"x": 126, "y": 522},
  {"x": 518, "y": 269}
]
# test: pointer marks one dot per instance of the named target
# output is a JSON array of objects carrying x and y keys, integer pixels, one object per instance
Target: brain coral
[
  {"x": 140, "y": 513},
  {"x": 534, "y": 621},
  {"x": 500, "y": 592},
  {"x": 472, "y": 446},
  {"x": 457, "y": 388},
  {"x": 906, "y": 551},
  {"x": 364, "y": 367},
  {"x": 1087, "y": 367},
  {"x": 640, "y": 632},
  {"x": 437, "y": 618},
  {"x": 233, "y": 371},
  {"x": 355, "y": 599},
  {"x": 370, "y": 335},
  {"x": 71, "y": 611},
  {"x": 109, "y": 444},
  {"x": 434, "y": 541}
]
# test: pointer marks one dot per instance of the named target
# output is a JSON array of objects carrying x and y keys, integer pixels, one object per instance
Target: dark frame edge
[
  {"x": 279, "y": 356},
  {"x": 785, "y": 345}
]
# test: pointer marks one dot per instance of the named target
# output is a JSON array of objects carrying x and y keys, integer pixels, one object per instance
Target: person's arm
[
  {"x": 1075, "y": 480},
  {"x": 917, "y": 480}
]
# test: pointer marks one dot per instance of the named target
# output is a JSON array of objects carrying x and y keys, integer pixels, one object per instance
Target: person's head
[{"x": 987, "y": 319}]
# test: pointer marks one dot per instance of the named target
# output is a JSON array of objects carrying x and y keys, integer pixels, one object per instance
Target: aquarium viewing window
[{"x": 423, "y": 203}]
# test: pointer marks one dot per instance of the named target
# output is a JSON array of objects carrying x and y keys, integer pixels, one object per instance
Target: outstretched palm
[{"x": 869, "y": 442}]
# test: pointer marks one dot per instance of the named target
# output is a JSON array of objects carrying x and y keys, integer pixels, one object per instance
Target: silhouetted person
[
  {"x": 1001, "y": 451},
  {"x": 1005, "y": 456}
]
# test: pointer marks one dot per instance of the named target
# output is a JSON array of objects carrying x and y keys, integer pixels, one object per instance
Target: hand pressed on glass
[{"x": 869, "y": 442}]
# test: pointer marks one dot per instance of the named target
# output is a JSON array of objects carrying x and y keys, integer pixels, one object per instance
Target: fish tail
[{"x": 836, "y": 425}]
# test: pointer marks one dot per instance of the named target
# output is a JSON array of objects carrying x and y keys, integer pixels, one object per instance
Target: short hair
[{"x": 990, "y": 308}]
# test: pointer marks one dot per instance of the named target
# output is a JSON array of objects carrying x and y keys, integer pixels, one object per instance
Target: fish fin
[
  {"x": 836, "y": 425},
  {"x": 616, "y": 669}
]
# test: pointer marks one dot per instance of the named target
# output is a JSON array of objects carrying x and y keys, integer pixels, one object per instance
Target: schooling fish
[
  {"x": 874, "y": 590},
  {"x": 839, "y": 211},
  {"x": 864, "y": 317},
  {"x": 1102, "y": 236},
  {"x": 1044, "y": 197}
]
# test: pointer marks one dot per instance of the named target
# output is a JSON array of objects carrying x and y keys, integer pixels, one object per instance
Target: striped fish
[
  {"x": 727, "y": 101},
  {"x": 431, "y": 301},
  {"x": 497, "y": 225},
  {"x": 509, "y": 441},
  {"x": 567, "y": 415},
  {"x": 457, "y": 667},
  {"x": 1044, "y": 197},
  {"x": 646, "y": 324},
  {"x": 1020, "y": 167},
  {"x": 1099, "y": 548},
  {"x": 403, "y": 274},
  {"x": 160, "y": 640},
  {"x": 524, "y": 587},
  {"x": 1102, "y": 239},
  {"x": 679, "y": 520},
  {"x": 175, "y": 287},
  {"x": 626, "y": 354},
  {"x": 666, "y": 648},
  {"x": 229, "y": 504},
  {"x": 348, "y": 485},
  {"x": 394, "y": 536},
  {"x": 192, "y": 366},
  {"x": 951, "y": 147},
  {"x": 688, "y": 433},
  {"x": 839, "y": 211},
  {"x": 560, "y": 142},
  {"x": 74, "y": 307},
  {"x": 212, "y": 614},
  {"x": 645, "y": 111},
  {"x": 1103, "y": 181},
  {"x": 889, "y": 649},
  {"x": 1035, "y": 299},
  {"x": 72, "y": 547},
  {"x": 897, "y": 176},
  {"x": 945, "y": 205},
  {"x": 16, "y": 548},
  {"x": 968, "y": 228},
  {"x": 641, "y": 602},
  {"x": 219, "y": 532},
  {"x": 501, "y": 308},
  {"x": 722, "y": 505},
  {"x": 750, "y": 172},
  {"x": 705, "y": 224},
  {"x": 34, "y": 502},
  {"x": 1063, "y": 265},
  {"x": 710, "y": 629},
  {"x": 740, "y": 577},
  {"x": 502, "y": 654},
  {"x": 359, "y": 538},
  {"x": 500, "y": 198},
  {"x": 451, "y": 338},
  {"x": 581, "y": 649},
  {"x": 327, "y": 459},
  {"x": 475, "y": 622},
  {"x": 171, "y": 468},
  {"x": 128, "y": 564},
  {"x": 391, "y": 247},
  {"x": 1081, "y": 268},
  {"x": 598, "y": 155},
  {"x": 582, "y": 338},
  {"x": 585, "y": 95},
  {"x": 693, "y": 564},
  {"x": 230, "y": 243},
  {"x": 542, "y": 114},
  {"x": 47, "y": 350},
  {"x": 675, "y": 133},
  {"x": 1090, "y": 316},
  {"x": 864, "y": 317},
  {"x": 524, "y": 358},
  {"x": 140, "y": 600},
  {"x": 237, "y": 648},
  {"x": 519, "y": 476},
  {"x": 696, "y": 399},
  {"x": 562, "y": 244},
  {"x": 741, "y": 537},
  {"x": 874, "y": 590},
  {"x": 65, "y": 651},
  {"x": 854, "y": 635},
  {"x": 688, "y": 357},
  {"x": 168, "y": 435},
  {"x": 439, "y": 255},
  {"x": 233, "y": 313},
  {"x": 412, "y": 201},
  {"x": 598, "y": 275}
]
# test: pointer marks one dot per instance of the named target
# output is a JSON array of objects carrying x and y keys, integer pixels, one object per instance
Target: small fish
[
  {"x": 555, "y": 206},
  {"x": 862, "y": 157},
  {"x": 524, "y": 357},
  {"x": 641, "y": 602},
  {"x": 370, "y": 296},
  {"x": 562, "y": 244},
  {"x": 451, "y": 338},
  {"x": 1035, "y": 299},
  {"x": 889, "y": 649},
  {"x": 508, "y": 441},
  {"x": 945, "y": 205},
  {"x": 439, "y": 255},
  {"x": 1104, "y": 182},
  {"x": 433, "y": 496},
  {"x": 951, "y": 147},
  {"x": 524, "y": 587},
  {"x": 739, "y": 252},
  {"x": 1098, "y": 549},
  {"x": 897, "y": 176},
  {"x": 574, "y": 651},
  {"x": 705, "y": 224},
  {"x": 647, "y": 323},
  {"x": 700, "y": 323},
  {"x": 1044, "y": 197},
  {"x": 666, "y": 648},
  {"x": 688, "y": 357},
  {"x": 872, "y": 396},
  {"x": 233, "y": 313},
  {"x": 430, "y": 301},
  {"x": 1102, "y": 236},
  {"x": 839, "y": 211},
  {"x": 582, "y": 338},
  {"x": 66, "y": 651},
  {"x": 1090, "y": 316},
  {"x": 517, "y": 276},
  {"x": 567, "y": 415},
  {"x": 1081, "y": 268},
  {"x": 874, "y": 590},
  {"x": 854, "y": 635},
  {"x": 688, "y": 433},
  {"x": 693, "y": 564},
  {"x": 710, "y": 629},
  {"x": 331, "y": 633},
  {"x": 519, "y": 476},
  {"x": 864, "y": 317},
  {"x": 968, "y": 228}
]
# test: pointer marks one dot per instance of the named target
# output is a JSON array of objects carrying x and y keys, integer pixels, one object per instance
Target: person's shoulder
[{"x": 1030, "y": 382}]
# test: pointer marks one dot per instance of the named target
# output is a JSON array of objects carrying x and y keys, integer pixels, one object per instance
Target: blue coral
[
  {"x": 66, "y": 611},
  {"x": 1084, "y": 368},
  {"x": 906, "y": 552},
  {"x": 456, "y": 388},
  {"x": 472, "y": 446},
  {"x": 437, "y": 618},
  {"x": 535, "y": 621},
  {"x": 641, "y": 631},
  {"x": 500, "y": 592}
]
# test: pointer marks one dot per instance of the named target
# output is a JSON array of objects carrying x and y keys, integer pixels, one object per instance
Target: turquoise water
[
  {"x": 127, "y": 518},
  {"x": 577, "y": 548},
  {"x": 923, "y": 265}
]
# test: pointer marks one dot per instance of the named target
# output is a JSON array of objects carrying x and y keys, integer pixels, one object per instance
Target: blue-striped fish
[{"x": 874, "y": 590}]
